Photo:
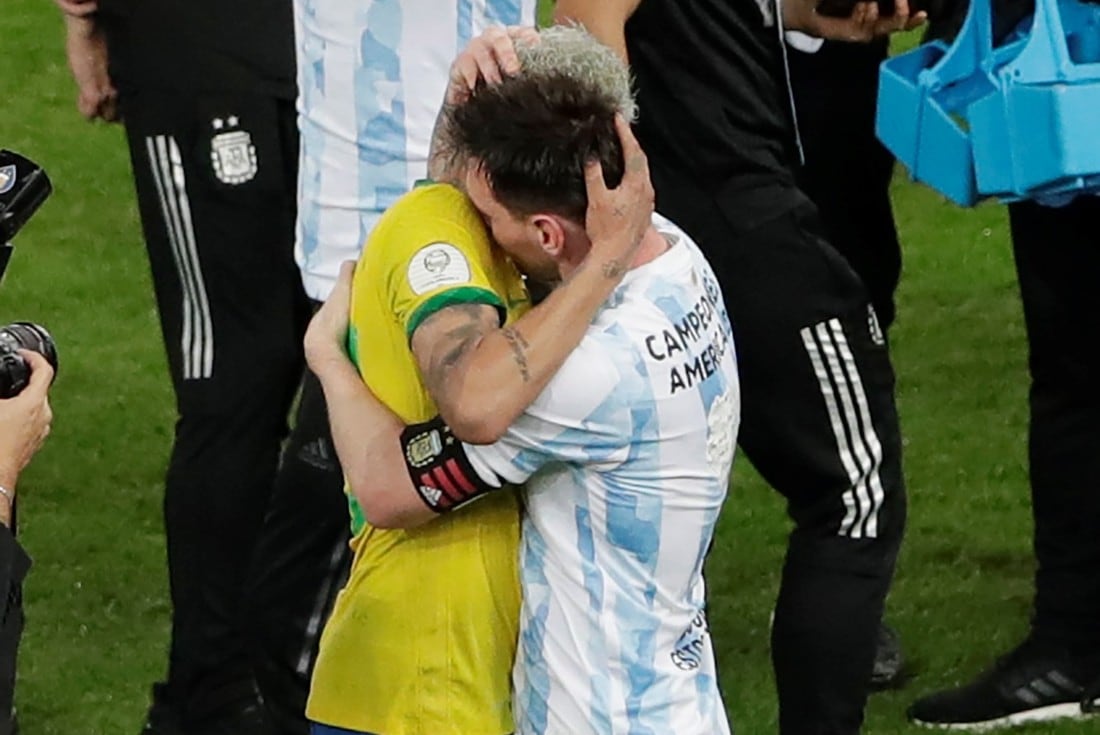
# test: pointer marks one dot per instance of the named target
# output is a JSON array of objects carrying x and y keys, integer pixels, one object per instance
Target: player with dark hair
[{"x": 819, "y": 419}]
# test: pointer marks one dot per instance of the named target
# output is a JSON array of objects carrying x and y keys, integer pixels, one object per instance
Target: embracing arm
[
  {"x": 366, "y": 434},
  {"x": 481, "y": 376},
  {"x": 372, "y": 441}
]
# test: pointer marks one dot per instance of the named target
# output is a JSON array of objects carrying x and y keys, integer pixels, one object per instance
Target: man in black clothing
[
  {"x": 846, "y": 171},
  {"x": 206, "y": 91},
  {"x": 818, "y": 414},
  {"x": 1055, "y": 672},
  {"x": 24, "y": 424}
]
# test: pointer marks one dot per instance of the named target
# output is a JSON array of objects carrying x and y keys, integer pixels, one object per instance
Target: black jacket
[{"x": 196, "y": 46}]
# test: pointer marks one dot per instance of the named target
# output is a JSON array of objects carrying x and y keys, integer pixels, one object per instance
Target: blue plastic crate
[{"x": 1017, "y": 120}]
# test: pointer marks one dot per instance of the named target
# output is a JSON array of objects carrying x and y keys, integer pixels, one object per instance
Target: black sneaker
[
  {"x": 234, "y": 708},
  {"x": 1033, "y": 683},
  {"x": 247, "y": 719},
  {"x": 889, "y": 671}
]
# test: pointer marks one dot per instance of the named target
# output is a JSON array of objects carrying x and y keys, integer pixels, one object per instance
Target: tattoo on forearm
[{"x": 519, "y": 351}]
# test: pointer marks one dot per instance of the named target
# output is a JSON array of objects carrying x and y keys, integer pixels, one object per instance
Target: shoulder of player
[
  {"x": 590, "y": 372},
  {"x": 429, "y": 214}
]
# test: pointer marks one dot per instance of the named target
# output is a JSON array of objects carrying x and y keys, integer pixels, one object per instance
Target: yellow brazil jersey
[{"x": 422, "y": 637}]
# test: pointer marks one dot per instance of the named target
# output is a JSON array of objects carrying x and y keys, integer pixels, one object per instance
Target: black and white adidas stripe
[
  {"x": 197, "y": 336},
  {"x": 846, "y": 402}
]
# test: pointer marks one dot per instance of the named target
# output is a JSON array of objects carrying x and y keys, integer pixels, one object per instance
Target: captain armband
[{"x": 440, "y": 470}]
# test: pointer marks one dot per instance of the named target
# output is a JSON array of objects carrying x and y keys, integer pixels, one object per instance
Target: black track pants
[
  {"x": 215, "y": 179},
  {"x": 1058, "y": 262}
]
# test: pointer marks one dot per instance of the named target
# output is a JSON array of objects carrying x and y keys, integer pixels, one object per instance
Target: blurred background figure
[
  {"x": 206, "y": 92},
  {"x": 1054, "y": 673},
  {"x": 847, "y": 172}
]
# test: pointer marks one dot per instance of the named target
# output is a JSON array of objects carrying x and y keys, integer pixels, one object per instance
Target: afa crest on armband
[
  {"x": 232, "y": 153},
  {"x": 423, "y": 449}
]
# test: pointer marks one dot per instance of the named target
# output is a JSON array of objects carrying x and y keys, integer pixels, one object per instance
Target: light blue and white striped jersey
[
  {"x": 371, "y": 78},
  {"x": 626, "y": 456}
]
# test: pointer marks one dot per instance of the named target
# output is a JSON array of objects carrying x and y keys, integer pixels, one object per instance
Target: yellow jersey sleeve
[{"x": 433, "y": 251}]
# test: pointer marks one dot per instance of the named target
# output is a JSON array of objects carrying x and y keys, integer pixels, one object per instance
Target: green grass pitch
[{"x": 97, "y": 609}]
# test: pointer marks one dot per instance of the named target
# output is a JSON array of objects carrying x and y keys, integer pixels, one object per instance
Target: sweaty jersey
[
  {"x": 626, "y": 455},
  {"x": 421, "y": 639},
  {"x": 371, "y": 77}
]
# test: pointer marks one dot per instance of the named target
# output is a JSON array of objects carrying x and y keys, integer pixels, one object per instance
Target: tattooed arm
[{"x": 366, "y": 434}]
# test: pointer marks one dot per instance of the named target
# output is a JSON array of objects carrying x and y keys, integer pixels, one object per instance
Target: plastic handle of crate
[
  {"x": 1046, "y": 58},
  {"x": 970, "y": 50}
]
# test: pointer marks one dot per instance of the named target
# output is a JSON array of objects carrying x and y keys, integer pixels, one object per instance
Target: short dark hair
[{"x": 533, "y": 133}]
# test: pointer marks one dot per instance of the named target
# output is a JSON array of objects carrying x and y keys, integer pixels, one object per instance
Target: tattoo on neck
[
  {"x": 613, "y": 269},
  {"x": 519, "y": 351}
]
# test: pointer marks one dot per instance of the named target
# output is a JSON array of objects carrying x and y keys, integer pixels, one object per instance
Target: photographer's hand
[{"x": 24, "y": 425}]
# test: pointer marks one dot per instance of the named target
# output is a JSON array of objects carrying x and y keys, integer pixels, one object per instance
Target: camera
[
  {"x": 14, "y": 371},
  {"x": 23, "y": 188}
]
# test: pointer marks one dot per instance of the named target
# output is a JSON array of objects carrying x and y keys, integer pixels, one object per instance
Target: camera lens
[{"x": 14, "y": 372}]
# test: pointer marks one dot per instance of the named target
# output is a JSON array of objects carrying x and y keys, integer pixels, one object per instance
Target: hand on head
[
  {"x": 617, "y": 219},
  {"x": 491, "y": 57}
]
